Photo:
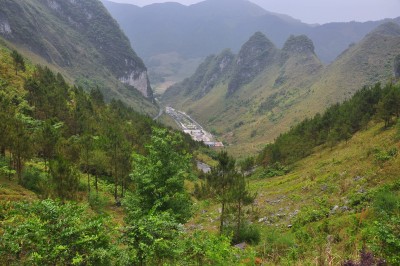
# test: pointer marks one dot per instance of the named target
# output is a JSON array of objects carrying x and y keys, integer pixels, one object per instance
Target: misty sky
[{"x": 315, "y": 11}]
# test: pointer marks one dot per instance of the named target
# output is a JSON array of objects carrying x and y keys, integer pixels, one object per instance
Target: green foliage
[
  {"x": 386, "y": 201},
  {"x": 383, "y": 234},
  {"x": 19, "y": 63},
  {"x": 309, "y": 214},
  {"x": 50, "y": 233},
  {"x": 338, "y": 123},
  {"x": 65, "y": 178},
  {"x": 221, "y": 182},
  {"x": 5, "y": 169},
  {"x": 159, "y": 177},
  {"x": 97, "y": 202},
  {"x": 46, "y": 119},
  {"x": 246, "y": 164},
  {"x": 388, "y": 106},
  {"x": 230, "y": 189},
  {"x": 248, "y": 233},
  {"x": 275, "y": 169},
  {"x": 152, "y": 237},
  {"x": 35, "y": 180},
  {"x": 279, "y": 245},
  {"x": 382, "y": 156},
  {"x": 203, "y": 248}
]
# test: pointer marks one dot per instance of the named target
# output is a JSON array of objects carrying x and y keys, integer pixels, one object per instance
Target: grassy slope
[
  {"x": 335, "y": 174},
  {"x": 366, "y": 63}
]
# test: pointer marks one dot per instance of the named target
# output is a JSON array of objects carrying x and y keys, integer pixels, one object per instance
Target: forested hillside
[
  {"x": 44, "y": 117},
  {"x": 81, "y": 40},
  {"x": 69, "y": 161}
]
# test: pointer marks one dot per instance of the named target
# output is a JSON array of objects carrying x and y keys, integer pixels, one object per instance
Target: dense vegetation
[
  {"x": 76, "y": 152},
  {"x": 69, "y": 130}
]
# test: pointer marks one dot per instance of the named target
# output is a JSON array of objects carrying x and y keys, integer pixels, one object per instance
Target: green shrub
[
  {"x": 279, "y": 245},
  {"x": 35, "y": 180},
  {"x": 204, "y": 248},
  {"x": 309, "y": 214},
  {"x": 97, "y": 202},
  {"x": 5, "y": 170},
  {"x": 276, "y": 169},
  {"x": 386, "y": 201},
  {"x": 249, "y": 233},
  {"x": 359, "y": 201},
  {"x": 384, "y": 238},
  {"x": 50, "y": 233},
  {"x": 382, "y": 156}
]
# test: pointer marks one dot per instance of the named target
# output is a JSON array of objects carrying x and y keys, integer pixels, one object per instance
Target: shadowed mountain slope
[{"x": 80, "y": 39}]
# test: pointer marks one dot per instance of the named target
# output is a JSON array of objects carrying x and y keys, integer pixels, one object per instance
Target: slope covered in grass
[{"x": 328, "y": 188}]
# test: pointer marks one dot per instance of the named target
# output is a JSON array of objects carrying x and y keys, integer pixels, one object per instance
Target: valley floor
[{"x": 193, "y": 128}]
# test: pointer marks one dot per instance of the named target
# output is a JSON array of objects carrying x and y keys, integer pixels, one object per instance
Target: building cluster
[{"x": 191, "y": 127}]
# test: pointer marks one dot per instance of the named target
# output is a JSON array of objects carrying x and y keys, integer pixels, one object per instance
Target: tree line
[
  {"x": 338, "y": 123},
  {"x": 69, "y": 130}
]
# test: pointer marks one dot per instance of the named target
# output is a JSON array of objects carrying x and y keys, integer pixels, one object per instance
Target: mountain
[
  {"x": 173, "y": 39},
  {"x": 80, "y": 39},
  {"x": 265, "y": 90},
  {"x": 368, "y": 62}
]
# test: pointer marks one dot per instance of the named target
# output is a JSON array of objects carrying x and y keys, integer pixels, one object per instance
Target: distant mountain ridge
[
  {"x": 268, "y": 98},
  {"x": 81, "y": 38},
  {"x": 196, "y": 31}
]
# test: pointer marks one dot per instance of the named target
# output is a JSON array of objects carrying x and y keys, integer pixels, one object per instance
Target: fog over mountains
[{"x": 173, "y": 35}]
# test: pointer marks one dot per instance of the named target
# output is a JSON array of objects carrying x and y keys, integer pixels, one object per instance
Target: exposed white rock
[
  {"x": 53, "y": 5},
  {"x": 89, "y": 15},
  {"x": 138, "y": 80},
  {"x": 5, "y": 27}
]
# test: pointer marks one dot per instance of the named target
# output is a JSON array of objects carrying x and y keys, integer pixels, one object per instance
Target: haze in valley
[{"x": 314, "y": 11}]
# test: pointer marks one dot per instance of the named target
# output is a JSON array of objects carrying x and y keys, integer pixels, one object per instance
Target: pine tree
[
  {"x": 19, "y": 63},
  {"x": 221, "y": 181}
]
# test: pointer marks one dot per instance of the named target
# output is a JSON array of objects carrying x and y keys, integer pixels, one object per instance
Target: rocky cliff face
[
  {"x": 212, "y": 71},
  {"x": 139, "y": 80},
  {"x": 77, "y": 35},
  {"x": 218, "y": 69},
  {"x": 5, "y": 27},
  {"x": 296, "y": 62},
  {"x": 253, "y": 58},
  {"x": 298, "y": 45},
  {"x": 298, "y": 58}
]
